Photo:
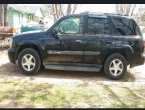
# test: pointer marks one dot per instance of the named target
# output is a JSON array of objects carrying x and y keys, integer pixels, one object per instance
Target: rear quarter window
[{"x": 125, "y": 26}]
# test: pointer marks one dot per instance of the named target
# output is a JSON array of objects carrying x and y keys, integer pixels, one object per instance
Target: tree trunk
[
  {"x": 61, "y": 11},
  {"x": 134, "y": 6},
  {"x": 69, "y": 8},
  {"x": 58, "y": 10},
  {"x": 1, "y": 15},
  {"x": 5, "y": 14},
  {"x": 54, "y": 13},
  {"x": 124, "y": 9},
  {"x": 74, "y": 9},
  {"x": 128, "y": 9}
]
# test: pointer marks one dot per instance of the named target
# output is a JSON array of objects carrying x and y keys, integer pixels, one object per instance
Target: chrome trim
[{"x": 51, "y": 52}]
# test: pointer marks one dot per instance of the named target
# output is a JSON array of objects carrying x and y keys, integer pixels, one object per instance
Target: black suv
[{"x": 81, "y": 42}]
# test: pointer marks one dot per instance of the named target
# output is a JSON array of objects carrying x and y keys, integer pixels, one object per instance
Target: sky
[
  {"x": 104, "y": 8},
  {"x": 109, "y": 8}
]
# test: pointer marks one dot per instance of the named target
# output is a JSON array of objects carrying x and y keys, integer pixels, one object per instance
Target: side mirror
[{"x": 54, "y": 33}]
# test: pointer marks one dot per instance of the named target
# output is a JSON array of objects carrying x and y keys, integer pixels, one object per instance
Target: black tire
[
  {"x": 108, "y": 62},
  {"x": 36, "y": 56}
]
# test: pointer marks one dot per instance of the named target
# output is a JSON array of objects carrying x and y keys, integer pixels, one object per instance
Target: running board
[{"x": 73, "y": 67}]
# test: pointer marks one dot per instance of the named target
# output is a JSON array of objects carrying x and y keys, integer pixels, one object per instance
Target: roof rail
[
  {"x": 88, "y": 12},
  {"x": 116, "y": 14}
]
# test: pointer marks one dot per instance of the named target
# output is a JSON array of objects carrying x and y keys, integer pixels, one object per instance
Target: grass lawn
[{"x": 33, "y": 94}]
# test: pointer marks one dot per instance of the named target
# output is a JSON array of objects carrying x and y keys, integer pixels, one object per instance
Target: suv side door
[
  {"x": 68, "y": 46},
  {"x": 98, "y": 39}
]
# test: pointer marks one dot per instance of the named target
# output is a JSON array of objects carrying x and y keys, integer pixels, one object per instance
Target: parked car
[
  {"x": 33, "y": 26},
  {"x": 81, "y": 42}
]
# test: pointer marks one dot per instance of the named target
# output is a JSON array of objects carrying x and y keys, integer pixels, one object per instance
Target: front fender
[{"x": 35, "y": 43}]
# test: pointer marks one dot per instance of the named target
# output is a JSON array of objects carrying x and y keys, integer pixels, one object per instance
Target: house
[{"x": 20, "y": 14}]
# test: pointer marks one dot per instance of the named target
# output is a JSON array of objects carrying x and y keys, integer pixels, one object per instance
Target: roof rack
[
  {"x": 88, "y": 12},
  {"x": 115, "y": 14}
]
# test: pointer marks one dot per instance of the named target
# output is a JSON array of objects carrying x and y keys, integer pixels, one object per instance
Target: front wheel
[
  {"x": 115, "y": 66},
  {"x": 29, "y": 61}
]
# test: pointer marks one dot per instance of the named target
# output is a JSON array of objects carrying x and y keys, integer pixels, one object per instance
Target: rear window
[{"x": 126, "y": 26}]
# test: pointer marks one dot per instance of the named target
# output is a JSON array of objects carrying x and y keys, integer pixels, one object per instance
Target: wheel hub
[
  {"x": 28, "y": 62},
  {"x": 116, "y": 67}
]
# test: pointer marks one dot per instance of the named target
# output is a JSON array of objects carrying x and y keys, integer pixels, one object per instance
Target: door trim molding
[
  {"x": 91, "y": 53},
  {"x": 51, "y": 52}
]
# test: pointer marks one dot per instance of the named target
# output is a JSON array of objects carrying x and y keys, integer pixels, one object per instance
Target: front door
[{"x": 68, "y": 48}]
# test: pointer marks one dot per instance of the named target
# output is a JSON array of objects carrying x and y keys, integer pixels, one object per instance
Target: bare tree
[
  {"x": 140, "y": 17},
  {"x": 59, "y": 10},
  {"x": 1, "y": 15},
  {"x": 131, "y": 12},
  {"x": 5, "y": 14},
  {"x": 69, "y": 9},
  {"x": 75, "y": 6},
  {"x": 56, "y": 11},
  {"x": 125, "y": 9}
]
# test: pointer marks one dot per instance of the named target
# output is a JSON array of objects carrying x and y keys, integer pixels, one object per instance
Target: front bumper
[{"x": 12, "y": 55}]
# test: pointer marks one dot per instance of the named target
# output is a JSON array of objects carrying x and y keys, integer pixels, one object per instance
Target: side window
[
  {"x": 126, "y": 26},
  {"x": 98, "y": 26},
  {"x": 72, "y": 25}
]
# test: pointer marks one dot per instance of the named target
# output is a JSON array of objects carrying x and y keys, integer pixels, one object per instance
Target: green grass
[{"x": 30, "y": 94}]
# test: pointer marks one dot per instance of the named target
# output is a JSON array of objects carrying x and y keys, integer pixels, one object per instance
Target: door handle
[
  {"x": 78, "y": 41},
  {"x": 108, "y": 42}
]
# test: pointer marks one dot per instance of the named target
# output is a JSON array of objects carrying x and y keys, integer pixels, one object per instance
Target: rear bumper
[{"x": 137, "y": 59}]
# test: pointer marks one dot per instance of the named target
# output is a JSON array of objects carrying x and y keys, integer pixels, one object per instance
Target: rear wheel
[
  {"x": 115, "y": 66},
  {"x": 29, "y": 61}
]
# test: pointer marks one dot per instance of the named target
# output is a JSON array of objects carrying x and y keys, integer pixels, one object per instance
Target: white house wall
[
  {"x": 16, "y": 22},
  {"x": 24, "y": 20}
]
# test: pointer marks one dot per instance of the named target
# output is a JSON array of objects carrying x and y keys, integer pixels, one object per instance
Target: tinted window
[
  {"x": 98, "y": 26},
  {"x": 126, "y": 26},
  {"x": 72, "y": 25}
]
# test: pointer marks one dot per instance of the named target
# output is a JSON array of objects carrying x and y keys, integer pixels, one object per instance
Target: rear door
[{"x": 97, "y": 39}]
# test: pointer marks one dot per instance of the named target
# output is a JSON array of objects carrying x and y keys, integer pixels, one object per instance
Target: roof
[{"x": 25, "y": 8}]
